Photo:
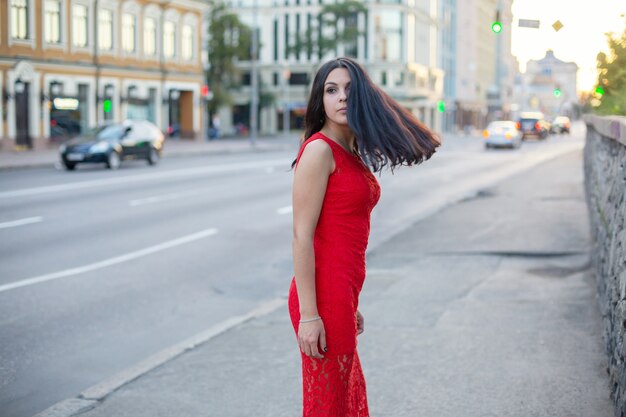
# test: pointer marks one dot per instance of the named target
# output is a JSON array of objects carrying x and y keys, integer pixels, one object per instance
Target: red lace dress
[{"x": 335, "y": 386}]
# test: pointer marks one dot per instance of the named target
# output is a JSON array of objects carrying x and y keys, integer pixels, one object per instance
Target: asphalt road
[{"x": 101, "y": 269}]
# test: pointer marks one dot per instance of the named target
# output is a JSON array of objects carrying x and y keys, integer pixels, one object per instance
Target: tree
[
  {"x": 229, "y": 41},
  {"x": 341, "y": 19},
  {"x": 610, "y": 92}
]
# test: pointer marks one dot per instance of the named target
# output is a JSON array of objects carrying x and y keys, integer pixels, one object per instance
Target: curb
[
  {"x": 237, "y": 149},
  {"x": 93, "y": 396}
]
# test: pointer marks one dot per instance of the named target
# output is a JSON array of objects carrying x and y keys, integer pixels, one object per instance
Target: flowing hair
[{"x": 387, "y": 134}]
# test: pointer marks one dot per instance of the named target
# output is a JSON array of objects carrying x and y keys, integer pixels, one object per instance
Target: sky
[{"x": 580, "y": 39}]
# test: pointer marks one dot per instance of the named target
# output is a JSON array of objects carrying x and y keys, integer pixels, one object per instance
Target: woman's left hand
[{"x": 360, "y": 323}]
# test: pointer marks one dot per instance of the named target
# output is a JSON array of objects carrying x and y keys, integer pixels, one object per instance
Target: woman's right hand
[{"x": 312, "y": 338}]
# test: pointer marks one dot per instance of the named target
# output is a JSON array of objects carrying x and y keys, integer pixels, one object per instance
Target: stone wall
[{"x": 605, "y": 183}]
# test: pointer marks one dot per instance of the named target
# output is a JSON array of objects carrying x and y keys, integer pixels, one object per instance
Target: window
[
  {"x": 19, "y": 19},
  {"x": 128, "y": 32},
  {"x": 52, "y": 22},
  {"x": 169, "y": 40},
  {"x": 149, "y": 36},
  {"x": 187, "y": 43},
  {"x": 388, "y": 35},
  {"x": 79, "y": 25},
  {"x": 105, "y": 29}
]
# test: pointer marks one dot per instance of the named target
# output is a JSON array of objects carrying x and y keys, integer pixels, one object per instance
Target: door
[{"x": 22, "y": 135}]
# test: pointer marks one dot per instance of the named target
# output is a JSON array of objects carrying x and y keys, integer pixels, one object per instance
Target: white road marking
[
  {"x": 128, "y": 179},
  {"x": 111, "y": 261},
  {"x": 21, "y": 222},
  {"x": 285, "y": 210},
  {"x": 160, "y": 198}
]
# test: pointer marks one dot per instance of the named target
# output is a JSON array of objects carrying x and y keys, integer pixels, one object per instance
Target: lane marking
[
  {"x": 21, "y": 222},
  {"x": 109, "y": 262},
  {"x": 285, "y": 210},
  {"x": 187, "y": 172},
  {"x": 161, "y": 198}
]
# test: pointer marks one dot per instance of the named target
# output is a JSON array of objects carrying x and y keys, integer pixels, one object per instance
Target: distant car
[
  {"x": 502, "y": 134},
  {"x": 112, "y": 143},
  {"x": 560, "y": 124},
  {"x": 533, "y": 124}
]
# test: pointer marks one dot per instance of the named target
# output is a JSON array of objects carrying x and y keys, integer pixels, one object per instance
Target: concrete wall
[{"x": 605, "y": 181}]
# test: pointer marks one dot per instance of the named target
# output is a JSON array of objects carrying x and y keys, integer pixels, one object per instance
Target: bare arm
[{"x": 309, "y": 187}]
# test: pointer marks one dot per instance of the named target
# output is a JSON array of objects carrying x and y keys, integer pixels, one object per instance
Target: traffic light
[
  {"x": 600, "y": 90},
  {"x": 107, "y": 105},
  {"x": 496, "y": 26},
  {"x": 441, "y": 106},
  {"x": 557, "y": 92}
]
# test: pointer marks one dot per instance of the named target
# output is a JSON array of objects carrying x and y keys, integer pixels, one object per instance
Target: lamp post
[
  {"x": 254, "y": 82},
  {"x": 286, "y": 112}
]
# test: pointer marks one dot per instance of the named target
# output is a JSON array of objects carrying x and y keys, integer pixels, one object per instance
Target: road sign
[
  {"x": 557, "y": 25},
  {"x": 528, "y": 23}
]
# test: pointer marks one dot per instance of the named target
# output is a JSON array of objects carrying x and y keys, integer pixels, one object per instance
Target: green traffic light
[
  {"x": 557, "y": 92},
  {"x": 496, "y": 27},
  {"x": 107, "y": 106},
  {"x": 600, "y": 90},
  {"x": 441, "y": 106}
]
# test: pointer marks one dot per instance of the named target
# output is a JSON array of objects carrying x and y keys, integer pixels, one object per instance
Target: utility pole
[
  {"x": 498, "y": 75},
  {"x": 96, "y": 59},
  {"x": 254, "y": 82}
]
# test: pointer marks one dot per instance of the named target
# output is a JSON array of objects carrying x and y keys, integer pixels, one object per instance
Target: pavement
[
  {"x": 485, "y": 308},
  {"x": 174, "y": 147}
]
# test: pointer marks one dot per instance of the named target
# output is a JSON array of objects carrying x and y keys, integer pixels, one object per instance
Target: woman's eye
[{"x": 330, "y": 90}]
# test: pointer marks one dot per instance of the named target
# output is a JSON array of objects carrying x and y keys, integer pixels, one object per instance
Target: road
[{"x": 101, "y": 269}]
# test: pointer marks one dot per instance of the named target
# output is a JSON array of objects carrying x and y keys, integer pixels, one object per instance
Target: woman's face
[{"x": 336, "y": 89}]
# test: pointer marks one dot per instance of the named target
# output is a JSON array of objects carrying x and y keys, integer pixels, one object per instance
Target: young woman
[{"x": 352, "y": 128}]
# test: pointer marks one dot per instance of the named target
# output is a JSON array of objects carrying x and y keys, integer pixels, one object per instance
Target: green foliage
[
  {"x": 229, "y": 41},
  {"x": 610, "y": 91},
  {"x": 316, "y": 42}
]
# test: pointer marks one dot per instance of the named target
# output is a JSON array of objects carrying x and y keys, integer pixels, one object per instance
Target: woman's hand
[
  {"x": 312, "y": 338},
  {"x": 360, "y": 323}
]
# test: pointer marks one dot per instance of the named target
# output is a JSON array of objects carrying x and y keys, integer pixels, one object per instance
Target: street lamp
[{"x": 254, "y": 82}]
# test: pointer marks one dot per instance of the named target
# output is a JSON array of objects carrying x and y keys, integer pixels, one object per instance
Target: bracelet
[{"x": 310, "y": 320}]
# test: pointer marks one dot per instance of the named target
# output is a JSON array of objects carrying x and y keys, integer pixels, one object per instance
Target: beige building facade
[
  {"x": 485, "y": 66},
  {"x": 69, "y": 65}
]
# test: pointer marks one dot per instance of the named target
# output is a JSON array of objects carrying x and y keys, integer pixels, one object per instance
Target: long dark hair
[{"x": 387, "y": 134}]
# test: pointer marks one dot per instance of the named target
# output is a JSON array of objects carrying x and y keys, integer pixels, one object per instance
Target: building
[
  {"x": 485, "y": 68},
  {"x": 397, "y": 44},
  {"x": 68, "y": 65},
  {"x": 549, "y": 85}
]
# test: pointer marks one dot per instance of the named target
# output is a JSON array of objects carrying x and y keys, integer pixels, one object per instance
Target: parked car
[
  {"x": 533, "y": 124},
  {"x": 112, "y": 143},
  {"x": 502, "y": 133},
  {"x": 560, "y": 124}
]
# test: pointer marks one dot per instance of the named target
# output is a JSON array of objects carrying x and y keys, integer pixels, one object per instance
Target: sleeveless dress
[{"x": 335, "y": 386}]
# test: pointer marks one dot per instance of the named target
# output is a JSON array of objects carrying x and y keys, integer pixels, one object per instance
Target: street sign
[
  {"x": 557, "y": 25},
  {"x": 528, "y": 23}
]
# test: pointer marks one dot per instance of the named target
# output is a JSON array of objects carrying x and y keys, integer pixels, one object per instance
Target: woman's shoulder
[{"x": 316, "y": 148}]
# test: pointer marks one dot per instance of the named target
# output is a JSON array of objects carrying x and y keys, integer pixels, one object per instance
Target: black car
[
  {"x": 112, "y": 143},
  {"x": 533, "y": 124}
]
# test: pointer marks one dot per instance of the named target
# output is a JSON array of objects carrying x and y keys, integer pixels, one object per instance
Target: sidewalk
[
  {"x": 174, "y": 147},
  {"x": 486, "y": 308}
]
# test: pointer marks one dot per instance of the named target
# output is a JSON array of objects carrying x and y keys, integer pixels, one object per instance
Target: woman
[{"x": 350, "y": 125}]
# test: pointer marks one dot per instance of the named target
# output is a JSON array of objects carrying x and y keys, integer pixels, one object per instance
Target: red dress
[{"x": 335, "y": 386}]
